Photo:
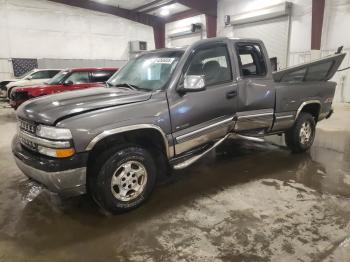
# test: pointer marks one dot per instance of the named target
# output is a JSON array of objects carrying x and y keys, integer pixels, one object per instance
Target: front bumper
[
  {"x": 3, "y": 93},
  {"x": 65, "y": 176},
  {"x": 15, "y": 104}
]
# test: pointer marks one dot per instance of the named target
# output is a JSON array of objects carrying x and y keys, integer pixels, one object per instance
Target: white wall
[
  {"x": 43, "y": 29},
  {"x": 300, "y": 38},
  {"x": 180, "y": 25},
  {"x": 335, "y": 32}
]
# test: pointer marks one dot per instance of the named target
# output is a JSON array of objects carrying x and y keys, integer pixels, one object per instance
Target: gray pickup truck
[{"x": 164, "y": 110}]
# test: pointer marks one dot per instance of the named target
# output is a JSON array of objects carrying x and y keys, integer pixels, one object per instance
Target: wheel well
[
  {"x": 313, "y": 109},
  {"x": 148, "y": 138}
]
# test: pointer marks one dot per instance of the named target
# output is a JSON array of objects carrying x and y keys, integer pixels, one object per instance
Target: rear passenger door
[{"x": 255, "y": 87}]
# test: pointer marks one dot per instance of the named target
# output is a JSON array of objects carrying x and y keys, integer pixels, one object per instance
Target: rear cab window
[{"x": 251, "y": 60}]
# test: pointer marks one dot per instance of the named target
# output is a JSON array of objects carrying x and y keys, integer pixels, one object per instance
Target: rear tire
[
  {"x": 301, "y": 136},
  {"x": 122, "y": 178}
]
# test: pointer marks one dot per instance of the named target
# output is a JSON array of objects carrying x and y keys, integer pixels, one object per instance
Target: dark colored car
[
  {"x": 66, "y": 80},
  {"x": 168, "y": 108}
]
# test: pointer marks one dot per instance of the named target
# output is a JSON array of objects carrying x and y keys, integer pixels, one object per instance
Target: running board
[
  {"x": 193, "y": 159},
  {"x": 250, "y": 138}
]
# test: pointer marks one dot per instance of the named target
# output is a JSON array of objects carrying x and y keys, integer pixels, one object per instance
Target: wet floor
[{"x": 247, "y": 201}]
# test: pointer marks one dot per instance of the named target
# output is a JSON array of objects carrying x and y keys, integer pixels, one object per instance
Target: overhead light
[{"x": 164, "y": 12}]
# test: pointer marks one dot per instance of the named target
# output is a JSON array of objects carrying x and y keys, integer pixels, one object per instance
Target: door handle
[{"x": 231, "y": 94}]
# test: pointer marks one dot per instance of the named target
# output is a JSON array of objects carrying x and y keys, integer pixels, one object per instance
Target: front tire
[
  {"x": 123, "y": 179},
  {"x": 301, "y": 136}
]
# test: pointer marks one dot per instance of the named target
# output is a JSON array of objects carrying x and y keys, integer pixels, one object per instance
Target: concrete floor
[{"x": 245, "y": 202}]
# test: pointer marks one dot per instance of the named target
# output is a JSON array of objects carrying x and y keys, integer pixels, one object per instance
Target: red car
[{"x": 66, "y": 80}]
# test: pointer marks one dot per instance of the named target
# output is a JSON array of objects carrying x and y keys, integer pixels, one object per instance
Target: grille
[
  {"x": 27, "y": 126},
  {"x": 15, "y": 95},
  {"x": 27, "y": 143}
]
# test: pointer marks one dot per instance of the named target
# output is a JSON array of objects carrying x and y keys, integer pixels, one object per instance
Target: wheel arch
[
  {"x": 133, "y": 132},
  {"x": 312, "y": 106}
]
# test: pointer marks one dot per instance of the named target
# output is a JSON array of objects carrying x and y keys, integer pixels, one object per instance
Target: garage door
[
  {"x": 184, "y": 40},
  {"x": 274, "y": 33}
]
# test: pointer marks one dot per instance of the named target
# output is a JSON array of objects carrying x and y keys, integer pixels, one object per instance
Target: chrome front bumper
[{"x": 68, "y": 182}]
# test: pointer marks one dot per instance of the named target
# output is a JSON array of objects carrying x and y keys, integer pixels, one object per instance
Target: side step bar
[{"x": 193, "y": 159}]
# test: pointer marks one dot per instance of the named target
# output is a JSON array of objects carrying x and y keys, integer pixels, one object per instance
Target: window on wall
[
  {"x": 251, "y": 60},
  {"x": 213, "y": 63}
]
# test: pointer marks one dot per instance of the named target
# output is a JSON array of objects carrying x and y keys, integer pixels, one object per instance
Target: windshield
[
  {"x": 26, "y": 74},
  {"x": 150, "y": 71},
  {"x": 57, "y": 79}
]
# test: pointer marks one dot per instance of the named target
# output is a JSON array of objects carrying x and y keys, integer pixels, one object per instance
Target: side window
[
  {"x": 52, "y": 73},
  {"x": 251, "y": 60},
  {"x": 213, "y": 63},
  {"x": 40, "y": 75},
  {"x": 101, "y": 76},
  {"x": 78, "y": 78}
]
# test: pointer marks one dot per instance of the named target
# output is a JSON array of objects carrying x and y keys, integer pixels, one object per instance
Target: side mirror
[
  {"x": 193, "y": 83},
  {"x": 29, "y": 78},
  {"x": 68, "y": 83}
]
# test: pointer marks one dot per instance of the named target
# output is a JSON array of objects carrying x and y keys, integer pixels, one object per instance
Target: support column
[
  {"x": 211, "y": 23},
  {"x": 159, "y": 35},
  {"x": 316, "y": 29}
]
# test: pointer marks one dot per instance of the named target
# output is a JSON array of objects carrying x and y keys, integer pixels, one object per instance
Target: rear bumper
[
  {"x": 330, "y": 113},
  {"x": 65, "y": 176}
]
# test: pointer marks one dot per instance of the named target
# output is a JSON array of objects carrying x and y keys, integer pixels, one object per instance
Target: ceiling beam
[
  {"x": 152, "y": 8},
  {"x": 208, "y": 7},
  {"x": 153, "y": 4},
  {"x": 317, "y": 23},
  {"x": 145, "y": 19},
  {"x": 182, "y": 15}
]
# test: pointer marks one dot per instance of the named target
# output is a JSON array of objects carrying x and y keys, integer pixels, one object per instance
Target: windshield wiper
[
  {"x": 130, "y": 86},
  {"x": 108, "y": 84},
  {"x": 133, "y": 87}
]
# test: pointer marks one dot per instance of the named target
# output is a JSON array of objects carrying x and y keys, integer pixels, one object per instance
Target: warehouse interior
[{"x": 250, "y": 199}]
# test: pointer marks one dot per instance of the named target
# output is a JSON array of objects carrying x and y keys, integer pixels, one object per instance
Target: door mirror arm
[{"x": 68, "y": 83}]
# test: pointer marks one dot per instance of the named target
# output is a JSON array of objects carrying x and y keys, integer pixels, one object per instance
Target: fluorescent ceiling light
[{"x": 164, "y": 12}]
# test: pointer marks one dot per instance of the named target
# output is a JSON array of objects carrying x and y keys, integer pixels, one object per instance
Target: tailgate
[{"x": 319, "y": 70}]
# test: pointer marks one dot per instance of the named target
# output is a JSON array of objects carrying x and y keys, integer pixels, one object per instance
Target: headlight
[{"x": 53, "y": 132}]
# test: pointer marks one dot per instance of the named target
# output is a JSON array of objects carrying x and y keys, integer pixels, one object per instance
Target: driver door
[{"x": 199, "y": 117}]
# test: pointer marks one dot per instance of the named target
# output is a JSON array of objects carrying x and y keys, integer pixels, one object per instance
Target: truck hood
[{"x": 53, "y": 108}]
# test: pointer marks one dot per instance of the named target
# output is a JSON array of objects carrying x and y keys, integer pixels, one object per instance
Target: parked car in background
[
  {"x": 36, "y": 76},
  {"x": 66, "y": 80}
]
